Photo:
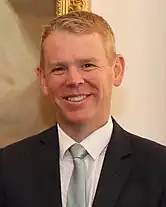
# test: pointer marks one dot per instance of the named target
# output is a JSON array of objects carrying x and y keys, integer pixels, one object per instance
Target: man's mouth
[{"x": 76, "y": 98}]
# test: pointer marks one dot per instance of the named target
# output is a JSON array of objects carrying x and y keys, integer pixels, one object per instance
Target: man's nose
[{"x": 74, "y": 77}]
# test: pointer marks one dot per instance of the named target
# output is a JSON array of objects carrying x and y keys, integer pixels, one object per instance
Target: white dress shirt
[{"x": 96, "y": 145}]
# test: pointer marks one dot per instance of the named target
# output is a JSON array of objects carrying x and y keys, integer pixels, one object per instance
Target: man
[{"x": 78, "y": 69}]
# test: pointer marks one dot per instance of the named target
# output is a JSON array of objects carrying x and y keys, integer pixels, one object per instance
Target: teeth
[{"x": 76, "y": 98}]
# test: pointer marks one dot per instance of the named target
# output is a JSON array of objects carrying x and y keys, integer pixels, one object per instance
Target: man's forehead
[
  {"x": 74, "y": 60},
  {"x": 65, "y": 35},
  {"x": 67, "y": 48}
]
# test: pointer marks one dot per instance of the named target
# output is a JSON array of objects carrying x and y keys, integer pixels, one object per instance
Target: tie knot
[{"x": 78, "y": 151}]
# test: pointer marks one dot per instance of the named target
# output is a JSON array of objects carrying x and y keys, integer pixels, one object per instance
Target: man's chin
[
  {"x": 75, "y": 119},
  {"x": 78, "y": 120}
]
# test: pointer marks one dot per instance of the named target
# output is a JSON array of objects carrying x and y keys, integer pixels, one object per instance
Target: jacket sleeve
[
  {"x": 163, "y": 199},
  {"x": 2, "y": 197}
]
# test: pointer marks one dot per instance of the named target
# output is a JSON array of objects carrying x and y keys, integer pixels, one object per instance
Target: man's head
[
  {"x": 81, "y": 22},
  {"x": 79, "y": 66}
]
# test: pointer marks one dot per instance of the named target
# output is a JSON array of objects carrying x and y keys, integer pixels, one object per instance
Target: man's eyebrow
[
  {"x": 57, "y": 63},
  {"x": 91, "y": 59},
  {"x": 65, "y": 63}
]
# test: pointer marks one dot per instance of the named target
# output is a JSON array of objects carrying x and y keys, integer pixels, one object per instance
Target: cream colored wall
[
  {"x": 139, "y": 105},
  {"x": 22, "y": 110},
  {"x": 140, "y": 28}
]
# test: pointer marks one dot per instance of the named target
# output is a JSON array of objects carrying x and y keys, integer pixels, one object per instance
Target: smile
[{"x": 76, "y": 98}]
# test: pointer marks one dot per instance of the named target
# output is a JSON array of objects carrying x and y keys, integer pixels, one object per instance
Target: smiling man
[
  {"x": 79, "y": 76},
  {"x": 86, "y": 159}
]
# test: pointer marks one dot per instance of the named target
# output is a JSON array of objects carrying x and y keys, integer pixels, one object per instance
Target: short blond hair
[{"x": 80, "y": 22}]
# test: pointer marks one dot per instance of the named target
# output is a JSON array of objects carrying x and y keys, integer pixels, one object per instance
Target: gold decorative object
[{"x": 65, "y": 6}]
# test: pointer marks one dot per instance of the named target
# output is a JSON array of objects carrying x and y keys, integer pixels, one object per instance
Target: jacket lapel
[
  {"x": 115, "y": 170},
  {"x": 46, "y": 165}
]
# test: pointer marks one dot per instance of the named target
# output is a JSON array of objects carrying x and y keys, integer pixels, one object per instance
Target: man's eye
[
  {"x": 58, "y": 70},
  {"x": 89, "y": 66}
]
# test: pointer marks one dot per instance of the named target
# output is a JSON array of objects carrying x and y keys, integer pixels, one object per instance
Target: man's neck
[{"x": 79, "y": 132}]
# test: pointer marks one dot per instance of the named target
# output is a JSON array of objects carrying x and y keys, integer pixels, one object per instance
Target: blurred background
[{"x": 138, "y": 105}]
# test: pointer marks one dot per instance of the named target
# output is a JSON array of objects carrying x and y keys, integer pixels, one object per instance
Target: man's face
[{"x": 79, "y": 77}]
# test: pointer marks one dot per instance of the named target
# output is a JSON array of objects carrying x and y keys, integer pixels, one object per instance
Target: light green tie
[{"x": 77, "y": 193}]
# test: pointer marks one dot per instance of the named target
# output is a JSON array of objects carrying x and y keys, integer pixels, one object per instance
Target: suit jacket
[{"x": 133, "y": 172}]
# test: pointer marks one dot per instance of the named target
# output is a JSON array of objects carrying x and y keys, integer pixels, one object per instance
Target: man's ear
[
  {"x": 42, "y": 78},
  {"x": 37, "y": 71},
  {"x": 119, "y": 67}
]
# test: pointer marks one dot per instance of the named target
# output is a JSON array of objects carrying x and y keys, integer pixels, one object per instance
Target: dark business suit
[{"x": 133, "y": 173}]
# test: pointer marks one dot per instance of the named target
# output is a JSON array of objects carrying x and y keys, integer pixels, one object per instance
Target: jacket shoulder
[
  {"x": 27, "y": 144},
  {"x": 145, "y": 149}
]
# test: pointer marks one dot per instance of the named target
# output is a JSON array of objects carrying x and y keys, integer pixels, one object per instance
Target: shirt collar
[{"x": 95, "y": 143}]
